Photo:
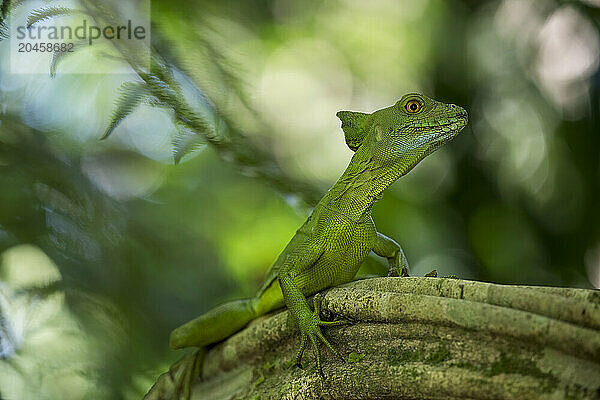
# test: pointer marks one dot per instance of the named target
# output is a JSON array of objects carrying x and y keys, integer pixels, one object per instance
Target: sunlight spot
[
  {"x": 568, "y": 54},
  {"x": 44, "y": 352},
  {"x": 27, "y": 265},
  {"x": 123, "y": 175},
  {"x": 302, "y": 87}
]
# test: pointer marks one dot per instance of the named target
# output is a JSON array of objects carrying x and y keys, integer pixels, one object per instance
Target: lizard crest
[{"x": 353, "y": 125}]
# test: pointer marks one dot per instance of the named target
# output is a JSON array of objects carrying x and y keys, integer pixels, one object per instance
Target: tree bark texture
[{"x": 421, "y": 338}]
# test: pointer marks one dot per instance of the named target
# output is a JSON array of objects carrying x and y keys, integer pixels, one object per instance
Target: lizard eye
[{"x": 413, "y": 106}]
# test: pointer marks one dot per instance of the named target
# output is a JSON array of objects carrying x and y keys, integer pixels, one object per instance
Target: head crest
[{"x": 353, "y": 125}]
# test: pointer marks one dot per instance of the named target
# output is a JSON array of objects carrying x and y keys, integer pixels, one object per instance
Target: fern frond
[
  {"x": 46, "y": 13},
  {"x": 170, "y": 96},
  {"x": 6, "y": 5},
  {"x": 131, "y": 95},
  {"x": 162, "y": 71},
  {"x": 3, "y": 30},
  {"x": 186, "y": 142},
  {"x": 161, "y": 90},
  {"x": 58, "y": 56},
  {"x": 4, "y": 8}
]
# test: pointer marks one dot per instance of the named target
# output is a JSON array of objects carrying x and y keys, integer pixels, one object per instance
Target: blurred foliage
[{"x": 107, "y": 246}]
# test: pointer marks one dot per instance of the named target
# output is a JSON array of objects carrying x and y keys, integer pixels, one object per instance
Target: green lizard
[{"x": 330, "y": 246}]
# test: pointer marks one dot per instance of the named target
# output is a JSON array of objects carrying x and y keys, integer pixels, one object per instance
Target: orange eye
[{"x": 413, "y": 106}]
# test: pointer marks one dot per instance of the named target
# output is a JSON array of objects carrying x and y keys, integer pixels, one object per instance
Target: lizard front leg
[
  {"x": 388, "y": 248},
  {"x": 308, "y": 321}
]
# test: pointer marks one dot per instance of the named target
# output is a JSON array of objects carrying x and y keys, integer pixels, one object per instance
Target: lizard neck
[{"x": 359, "y": 187}]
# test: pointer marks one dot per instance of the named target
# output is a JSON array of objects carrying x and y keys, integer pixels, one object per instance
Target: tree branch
[{"x": 423, "y": 338}]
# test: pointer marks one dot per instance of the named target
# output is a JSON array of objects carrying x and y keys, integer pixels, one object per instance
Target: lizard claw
[
  {"x": 310, "y": 331},
  {"x": 398, "y": 261},
  {"x": 298, "y": 359}
]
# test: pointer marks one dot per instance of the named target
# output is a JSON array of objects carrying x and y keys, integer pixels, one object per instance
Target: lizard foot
[
  {"x": 175, "y": 384},
  {"x": 310, "y": 331},
  {"x": 398, "y": 262}
]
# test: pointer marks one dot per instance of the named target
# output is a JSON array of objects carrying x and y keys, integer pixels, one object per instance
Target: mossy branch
[{"x": 423, "y": 338}]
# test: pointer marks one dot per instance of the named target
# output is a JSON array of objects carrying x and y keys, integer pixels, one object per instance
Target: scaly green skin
[{"x": 329, "y": 248}]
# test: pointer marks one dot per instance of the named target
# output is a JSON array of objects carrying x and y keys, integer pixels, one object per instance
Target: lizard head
[{"x": 405, "y": 132}]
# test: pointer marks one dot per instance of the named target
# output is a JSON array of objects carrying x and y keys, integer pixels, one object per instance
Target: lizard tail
[{"x": 214, "y": 326}]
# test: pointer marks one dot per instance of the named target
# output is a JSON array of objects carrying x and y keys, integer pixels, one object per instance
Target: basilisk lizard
[{"x": 330, "y": 246}]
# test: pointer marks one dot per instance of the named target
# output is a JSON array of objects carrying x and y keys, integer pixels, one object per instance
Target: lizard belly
[{"x": 345, "y": 250}]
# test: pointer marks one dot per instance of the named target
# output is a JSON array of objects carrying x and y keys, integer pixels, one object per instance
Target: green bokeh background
[{"x": 107, "y": 246}]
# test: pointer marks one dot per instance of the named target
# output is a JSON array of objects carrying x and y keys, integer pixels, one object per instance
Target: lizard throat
[{"x": 354, "y": 198}]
